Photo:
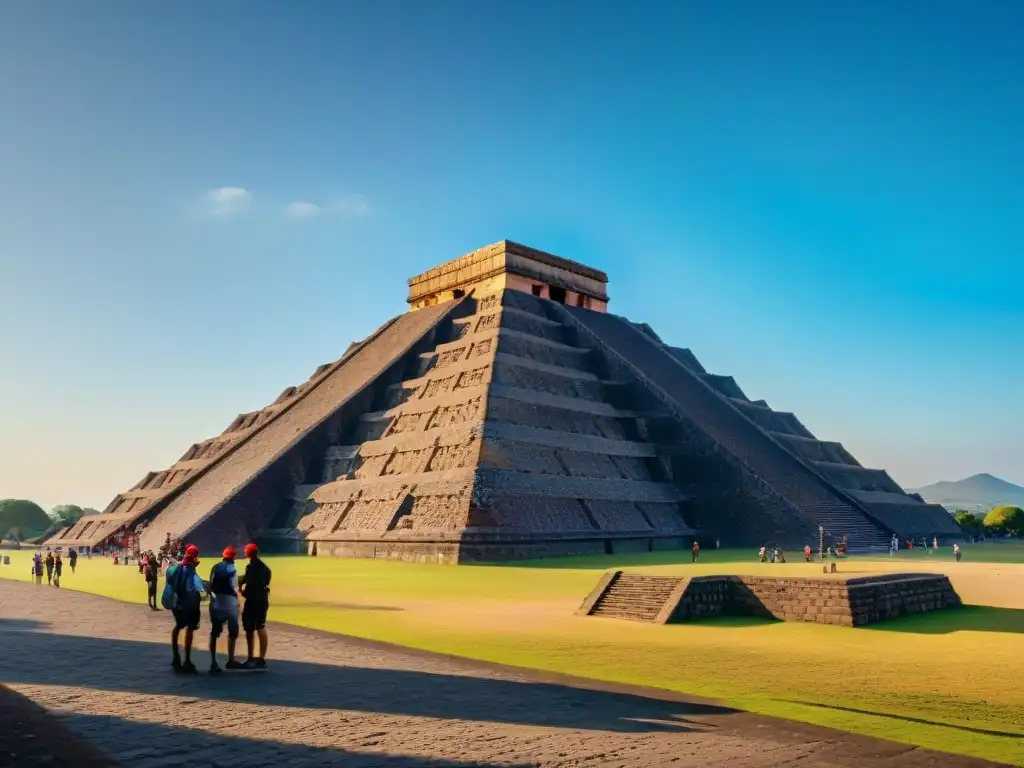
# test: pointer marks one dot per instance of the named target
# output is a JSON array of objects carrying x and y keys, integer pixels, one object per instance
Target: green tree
[
  {"x": 1005, "y": 519},
  {"x": 66, "y": 514},
  {"x": 970, "y": 524},
  {"x": 27, "y": 516}
]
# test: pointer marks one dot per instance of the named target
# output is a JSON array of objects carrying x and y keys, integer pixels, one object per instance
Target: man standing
[
  {"x": 256, "y": 590},
  {"x": 696, "y": 550},
  {"x": 224, "y": 608},
  {"x": 72, "y": 558},
  {"x": 49, "y": 567},
  {"x": 58, "y": 568},
  {"x": 187, "y": 588},
  {"x": 152, "y": 573}
]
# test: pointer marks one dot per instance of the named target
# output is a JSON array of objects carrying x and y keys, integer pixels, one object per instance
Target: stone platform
[{"x": 850, "y": 602}]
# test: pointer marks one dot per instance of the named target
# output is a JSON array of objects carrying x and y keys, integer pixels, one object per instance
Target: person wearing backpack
[
  {"x": 224, "y": 608},
  {"x": 182, "y": 595}
]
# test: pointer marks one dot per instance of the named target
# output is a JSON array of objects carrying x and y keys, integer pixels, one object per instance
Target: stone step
[{"x": 634, "y": 596}]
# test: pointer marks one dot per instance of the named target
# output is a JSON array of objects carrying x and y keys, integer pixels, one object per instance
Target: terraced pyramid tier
[{"x": 504, "y": 442}]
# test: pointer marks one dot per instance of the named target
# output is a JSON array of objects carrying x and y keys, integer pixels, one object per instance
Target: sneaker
[
  {"x": 233, "y": 664},
  {"x": 176, "y": 663},
  {"x": 215, "y": 670},
  {"x": 189, "y": 668},
  {"x": 255, "y": 665}
]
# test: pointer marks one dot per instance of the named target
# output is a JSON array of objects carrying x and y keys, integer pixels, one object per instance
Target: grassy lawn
[{"x": 948, "y": 681}]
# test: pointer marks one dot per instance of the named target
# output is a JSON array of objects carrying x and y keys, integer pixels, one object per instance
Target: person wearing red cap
[
  {"x": 224, "y": 608},
  {"x": 186, "y": 589},
  {"x": 256, "y": 590}
]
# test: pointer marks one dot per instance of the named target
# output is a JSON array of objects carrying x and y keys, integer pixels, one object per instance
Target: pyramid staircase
[
  {"x": 635, "y": 596},
  {"x": 505, "y": 440}
]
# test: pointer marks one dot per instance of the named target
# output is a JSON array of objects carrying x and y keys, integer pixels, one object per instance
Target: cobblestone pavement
[{"x": 103, "y": 668}]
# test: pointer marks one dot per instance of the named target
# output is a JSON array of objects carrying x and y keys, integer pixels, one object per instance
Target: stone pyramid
[{"x": 509, "y": 415}]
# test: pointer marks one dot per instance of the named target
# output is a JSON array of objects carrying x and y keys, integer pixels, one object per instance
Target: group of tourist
[
  {"x": 53, "y": 564},
  {"x": 183, "y": 593},
  {"x": 773, "y": 555}
]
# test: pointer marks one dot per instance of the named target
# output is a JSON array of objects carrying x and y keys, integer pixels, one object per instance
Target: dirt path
[{"x": 102, "y": 667}]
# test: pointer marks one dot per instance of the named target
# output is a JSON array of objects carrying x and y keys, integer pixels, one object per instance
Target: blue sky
[{"x": 822, "y": 199}]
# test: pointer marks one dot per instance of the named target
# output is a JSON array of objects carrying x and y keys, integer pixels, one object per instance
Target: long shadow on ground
[
  {"x": 906, "y": 719},
  {"x": 187, "y": 746},
  {"x": 970, "y": 618},
  {"x": 43, "y": 658}
]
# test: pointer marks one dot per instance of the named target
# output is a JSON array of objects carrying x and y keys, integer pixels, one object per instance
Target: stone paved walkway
[{"x": 102, "y": 667}]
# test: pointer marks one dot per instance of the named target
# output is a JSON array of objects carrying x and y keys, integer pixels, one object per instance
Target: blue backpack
[
  {"x": 180, "y": 589},
  {"x": 169, "y": 597}
]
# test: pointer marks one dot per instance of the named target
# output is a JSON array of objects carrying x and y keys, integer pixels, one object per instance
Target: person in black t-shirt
[
  {"x": 255, "y": 586},
  {"x": 152, "y": 571}
]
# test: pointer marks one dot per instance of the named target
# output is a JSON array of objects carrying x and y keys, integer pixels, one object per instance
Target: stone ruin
[
  {"x": 509, "y": 415},
  {"x": 844, "y": 602}
]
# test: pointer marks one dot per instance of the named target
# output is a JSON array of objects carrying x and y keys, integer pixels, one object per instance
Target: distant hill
[{"x": 977, "y": 493}]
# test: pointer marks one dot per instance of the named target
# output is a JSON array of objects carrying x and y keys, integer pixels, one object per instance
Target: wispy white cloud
[
  {"x": 224, "y": 202},
  {"x": 352, "y": 205},
  {"x": 302, "y": 210},
  {"x": 347, "y": 206}
]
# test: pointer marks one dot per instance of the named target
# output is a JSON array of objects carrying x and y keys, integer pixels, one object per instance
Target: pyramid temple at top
[{"x": 509, "y": 415}]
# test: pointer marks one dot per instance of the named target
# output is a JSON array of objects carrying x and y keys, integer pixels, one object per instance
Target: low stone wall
[
  {"x": 879, "y": 599},
  {"x": 703, "y": 597},
  {"x": 842, "y": 602},
  {"x": 824, "y": 601}
]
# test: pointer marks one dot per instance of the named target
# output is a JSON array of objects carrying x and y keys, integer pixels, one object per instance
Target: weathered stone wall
[
  {"x": 885, "y": 598},
  {"x": 703, "y": 597},
  {"x": 843, "y": 602}
]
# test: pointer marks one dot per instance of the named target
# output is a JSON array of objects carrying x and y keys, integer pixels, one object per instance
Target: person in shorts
[
  {"x": 224, "y": 609},
  {"x": 188, "y": 588},
  {"x": 256, "y": 590}
]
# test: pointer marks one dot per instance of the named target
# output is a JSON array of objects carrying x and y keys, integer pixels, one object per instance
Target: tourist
[
  {"x": 152, "y": 574},
  {"x": 224, "y": 596},
  {"x": 72, "y": 559},
  {"x": 37, "y": 568},
  {"x": 956, "y": 552},
  {"x": 255, "y": 586},
  {"x": 696, "y": 550},
  {"x": 58, "y": 568},
  {"x": 49, "y": 567},
  {"x": 186, "y": 589},
  {"x": 807, "y": 553}
]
